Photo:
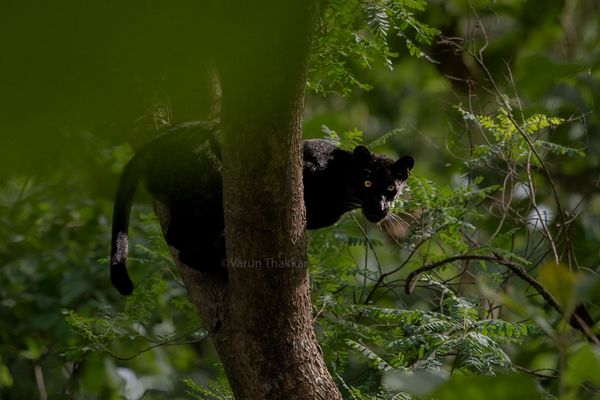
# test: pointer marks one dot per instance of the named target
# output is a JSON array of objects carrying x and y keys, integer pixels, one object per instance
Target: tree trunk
[{"x": 261, "y": 318}]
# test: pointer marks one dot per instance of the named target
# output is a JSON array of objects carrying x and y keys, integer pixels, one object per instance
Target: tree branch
[{"x": 579, "y": 320}]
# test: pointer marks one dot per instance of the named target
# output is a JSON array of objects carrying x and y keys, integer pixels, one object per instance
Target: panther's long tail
[{"x": 118, "y": 253}]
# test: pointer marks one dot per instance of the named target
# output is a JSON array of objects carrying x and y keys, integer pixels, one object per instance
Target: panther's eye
[
  {"x": 391, "y": 188},
  {"x": 368, "y": 183}
]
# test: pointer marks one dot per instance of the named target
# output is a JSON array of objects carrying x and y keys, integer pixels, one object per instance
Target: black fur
[
  {"x": 182, "y": 170},
  {"x": 334, "y": 182}
]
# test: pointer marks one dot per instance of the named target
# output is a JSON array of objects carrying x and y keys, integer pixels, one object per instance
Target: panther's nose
[{"x": 384, "y": 205}]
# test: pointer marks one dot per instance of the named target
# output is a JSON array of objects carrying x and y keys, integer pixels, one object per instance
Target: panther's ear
[
  {"x": 362, "y": 154},
  {"x": 402, "y": 167}
]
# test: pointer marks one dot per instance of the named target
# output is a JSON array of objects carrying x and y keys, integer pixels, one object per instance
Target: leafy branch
[
  {"x": 346, "y": 39},
  {"x": 479, "y": 59}
]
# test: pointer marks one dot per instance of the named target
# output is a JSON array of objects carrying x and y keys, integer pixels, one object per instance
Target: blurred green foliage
[{"x": 497, "y": 109}]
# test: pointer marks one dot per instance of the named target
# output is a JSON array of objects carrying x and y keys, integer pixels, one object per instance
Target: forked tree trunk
[{"x": 260, "y": 319}]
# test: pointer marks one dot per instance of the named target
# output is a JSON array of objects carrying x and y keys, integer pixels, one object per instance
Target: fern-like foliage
[
  {"x": 413, "y": 339},
  {"x": 506, "y": 141},
  {"x": 131, "y": 332},
  {"x": 346, "y": 39},
  {"x": 393, "y": 339},
  {"x": 214, "y": 390},
  {"x": 347, "y": 140}
]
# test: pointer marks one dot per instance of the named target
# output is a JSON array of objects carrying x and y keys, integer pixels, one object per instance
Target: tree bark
[{"x": 260, "y": 319}]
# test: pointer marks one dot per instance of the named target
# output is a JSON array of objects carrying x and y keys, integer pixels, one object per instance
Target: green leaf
[
  {"x": 559, "y": 281},
  {"x": 6, "y": 379},
  {"x": 380, "y": 141},
  {"x": 584, "y": 366}
]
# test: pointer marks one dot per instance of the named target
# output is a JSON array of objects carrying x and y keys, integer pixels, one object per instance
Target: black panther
[{"x": 183, "y": 171}]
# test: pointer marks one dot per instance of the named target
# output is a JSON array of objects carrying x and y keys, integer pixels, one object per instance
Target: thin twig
[
  {"x": 514, "y": 267},
  {"x": 370, "y": 243},
  {"x": 576, "y": 321},
  {"x": 541, "y": 218},
  {"x": 170, "y": 342},
  {"x": 39, "y": 381},
  {"x": 537, "y": 373},
  {"x": 525, "y": 136}
]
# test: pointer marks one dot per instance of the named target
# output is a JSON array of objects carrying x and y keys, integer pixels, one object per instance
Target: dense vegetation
[{"x": 473, "y": 290}]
